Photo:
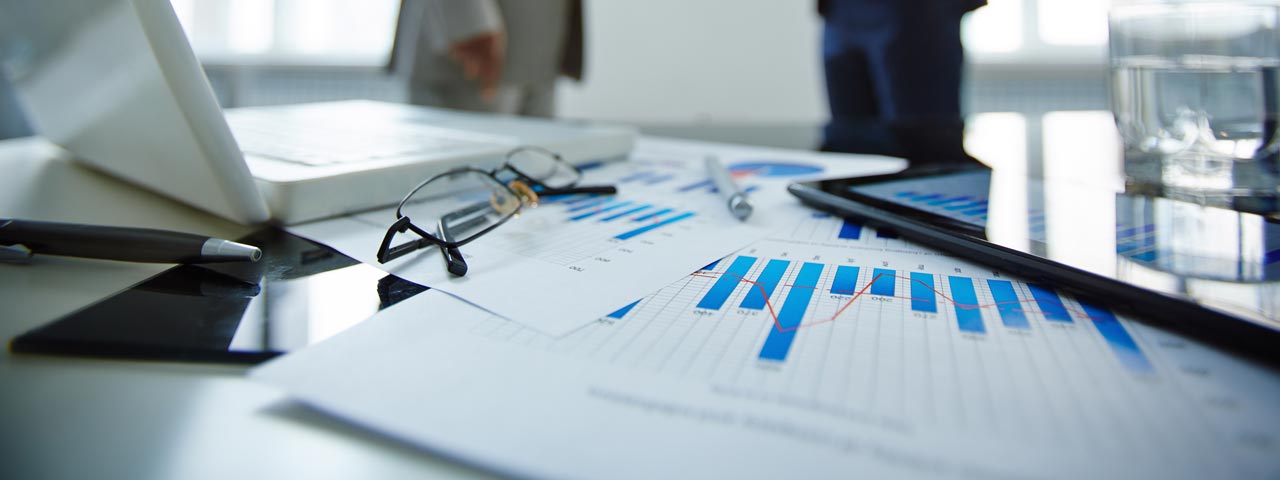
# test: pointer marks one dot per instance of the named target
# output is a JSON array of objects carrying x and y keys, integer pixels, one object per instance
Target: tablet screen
[{"x": 1228, "y": 260}]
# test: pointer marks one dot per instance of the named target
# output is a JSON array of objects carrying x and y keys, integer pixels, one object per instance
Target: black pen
[{"x": 21, "y": 238}]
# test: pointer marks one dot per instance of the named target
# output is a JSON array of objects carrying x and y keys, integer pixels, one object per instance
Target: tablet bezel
[{"x": 1254, "y": 337}]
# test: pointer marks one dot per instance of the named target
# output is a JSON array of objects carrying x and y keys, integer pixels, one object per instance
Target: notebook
[{"x": 116, "y": 83}]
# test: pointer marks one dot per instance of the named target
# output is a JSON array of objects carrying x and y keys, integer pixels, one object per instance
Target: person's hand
[{"x": 481, "y": 58}]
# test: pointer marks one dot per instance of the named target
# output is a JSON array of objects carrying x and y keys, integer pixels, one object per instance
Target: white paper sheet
[
  {"x": 917, "y": 364},
  {"x": 560, "y": 266}
]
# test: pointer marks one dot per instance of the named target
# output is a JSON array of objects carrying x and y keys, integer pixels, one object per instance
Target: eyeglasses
[{"x": 464, "y": 203}]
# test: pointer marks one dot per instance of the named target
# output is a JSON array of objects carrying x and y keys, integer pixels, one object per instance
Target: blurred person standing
[
  {"x": 500, "y": 56},
  {"x": 889, "y": 62}
]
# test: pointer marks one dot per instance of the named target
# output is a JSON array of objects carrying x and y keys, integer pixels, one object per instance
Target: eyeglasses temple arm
[
  {"x": 388, "y": 254},
  {"x": 595, "y": 189},
  {"x": 453, "y": 260}
]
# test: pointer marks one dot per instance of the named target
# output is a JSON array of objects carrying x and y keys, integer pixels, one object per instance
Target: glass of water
[{"x": 1195, "y": 89}]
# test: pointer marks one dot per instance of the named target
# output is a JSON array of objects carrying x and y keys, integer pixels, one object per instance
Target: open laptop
[{"x": 116, "y": 83}]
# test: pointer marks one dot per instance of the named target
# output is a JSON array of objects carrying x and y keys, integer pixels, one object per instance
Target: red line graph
[{"x": 857, "y": 295}]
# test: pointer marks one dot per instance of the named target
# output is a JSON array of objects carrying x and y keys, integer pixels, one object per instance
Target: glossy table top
[{"x": 88, "y": 418}]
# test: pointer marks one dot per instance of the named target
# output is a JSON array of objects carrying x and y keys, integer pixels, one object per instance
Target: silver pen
[{"x": 736, "y": 198}]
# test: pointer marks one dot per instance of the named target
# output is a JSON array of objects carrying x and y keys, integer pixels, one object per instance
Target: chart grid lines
[{"x": 778, "y": 343}]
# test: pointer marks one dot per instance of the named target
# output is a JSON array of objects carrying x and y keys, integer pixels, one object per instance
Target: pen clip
[{"x": 16, "y": 253}]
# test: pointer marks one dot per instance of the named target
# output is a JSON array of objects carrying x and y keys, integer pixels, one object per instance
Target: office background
[{"x": 659, "y": 63}]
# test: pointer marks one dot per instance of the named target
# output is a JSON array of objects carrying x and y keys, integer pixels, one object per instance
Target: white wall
[{"x": 700, "y": 61}]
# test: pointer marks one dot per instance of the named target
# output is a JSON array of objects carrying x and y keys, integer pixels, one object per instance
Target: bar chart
[
  {"x": 969, "y": 206},
  {"x": 646, "y": 217},
  {"x": 961, "y": 195},
  {"x": 837, "y": 319},
  {"x": 909, "y": 337},
  {"x": 922, "y": 292},
  {"x": 593, "y": 228}
]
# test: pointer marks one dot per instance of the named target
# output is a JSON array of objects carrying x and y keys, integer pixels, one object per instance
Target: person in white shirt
[{"x": 501, "y": 56}]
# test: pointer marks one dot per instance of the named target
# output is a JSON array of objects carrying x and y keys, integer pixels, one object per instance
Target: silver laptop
[{"x": 116, "y": 83}]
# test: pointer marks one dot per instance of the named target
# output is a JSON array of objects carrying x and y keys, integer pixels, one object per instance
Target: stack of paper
[{"x": 821, "y": 348}]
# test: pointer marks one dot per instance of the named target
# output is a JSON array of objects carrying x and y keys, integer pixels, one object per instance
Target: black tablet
[
  {"x": 300, "y": 293},
  {"x": 1208, "y": 271}
]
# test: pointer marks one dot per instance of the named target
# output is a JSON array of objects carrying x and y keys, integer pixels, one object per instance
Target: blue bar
[
  {"x": 616, "y": 216},
  {"x": 1125, "y": 348},
  {"x": 768, "y": 280},
  {"x": 1271, "y": 257},
  {"x": 599, "y": 211},
  {"x": 589, "y": 205},
  {"x": 581, "y": 199},
  {"x": 720, "y": 291},
  {"x": 923, "y": 297},
  {"x": 976, "y": 211},
  {"x": 921, "y": 198},
  {"x": 968, "y": 313},
  {"x": 1135, "y": 230},
  {"x": 1128, "y": 246},
  {"x": 882, "y": 281},
  {"x": 850, "y": 230},
  {"x": 846, "y": 281},
  {"x": 905, "y": 194},
  {"x": 638, "y": 231},
  {"x": 965, "y": 206},
  {"x": 885, "y": 234},
  {"x": 780, "y": 337},
  {"x": 947, "y": 200},
  {"x": 659, "y": 179},
  {"x": 695, "y": 186},
  {"x": 1049, "y": 303},
  {"x": 1148, "y": 256},
  {"x": 712, "y": 265},
  {"x": 1007, "y": 304},
  {"x": 634, "y": 176},
  {"x": 653, "y": 215},
  {"x": 622, "y": 312}
]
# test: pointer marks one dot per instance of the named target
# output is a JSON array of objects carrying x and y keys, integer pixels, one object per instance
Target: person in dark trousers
[{"x": 891, "y": 65}]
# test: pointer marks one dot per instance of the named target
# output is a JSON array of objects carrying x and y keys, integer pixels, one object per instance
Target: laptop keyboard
[{"x": 318, "y": 143}]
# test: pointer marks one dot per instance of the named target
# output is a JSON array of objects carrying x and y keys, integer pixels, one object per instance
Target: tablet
[
  {"x": 300, "y": 293},
  {"x": 1208, "y": 271}
]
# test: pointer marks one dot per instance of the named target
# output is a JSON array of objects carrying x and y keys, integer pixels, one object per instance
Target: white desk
[{"x": 74, "y": 418}]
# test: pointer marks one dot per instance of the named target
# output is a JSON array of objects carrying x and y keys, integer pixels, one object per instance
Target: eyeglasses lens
[
  {"x": 544, "y": 168},
  {"x": 460, "y": 204}
]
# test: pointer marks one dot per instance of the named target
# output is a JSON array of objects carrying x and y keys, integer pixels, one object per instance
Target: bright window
[
  {"x": 996, "y": 27},
  {"x": 1073, "y": 22},
  {"x": 1011, "y": 30},
  {"x": 1038, "y": 31},
  {"x": 289, "y": 28}
]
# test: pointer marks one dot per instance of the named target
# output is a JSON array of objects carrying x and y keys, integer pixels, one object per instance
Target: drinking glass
[{"x": 1195, "y": 93}]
